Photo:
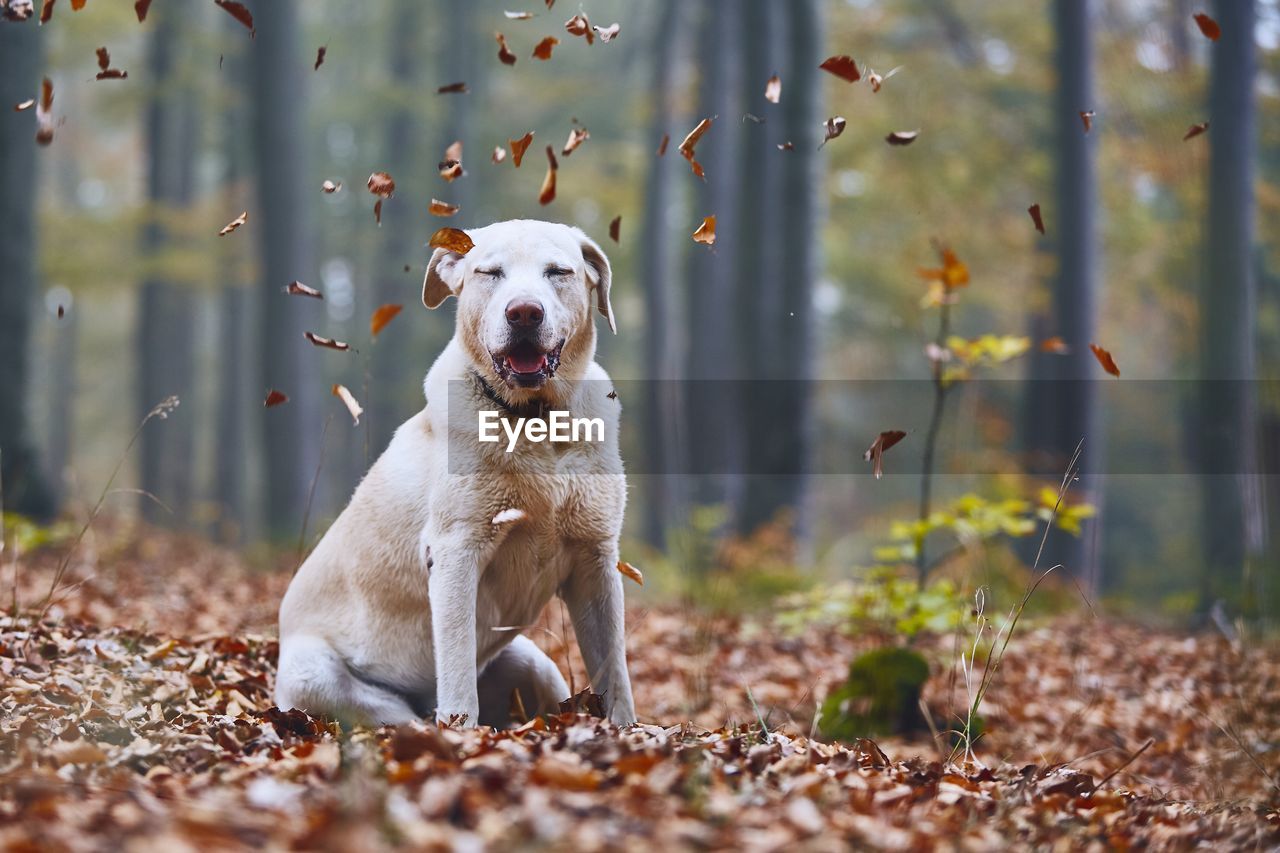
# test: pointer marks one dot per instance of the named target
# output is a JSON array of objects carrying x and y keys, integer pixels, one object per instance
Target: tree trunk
[
  {"x": 662, "y": 407},
  {"x": 23, "y": 483},
  {"x": 166, "y": 315},
  {"x": 1227, "y": 439},
  {"x": 287, "y": 362}
]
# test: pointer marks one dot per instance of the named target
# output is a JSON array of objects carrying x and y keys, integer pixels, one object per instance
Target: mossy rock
[{"x": 881, "y": 697}]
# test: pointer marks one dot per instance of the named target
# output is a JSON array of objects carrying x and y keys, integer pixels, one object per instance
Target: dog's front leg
[
  {"x": 593, "y": 594},
  {"x": 451, "y": 590}
]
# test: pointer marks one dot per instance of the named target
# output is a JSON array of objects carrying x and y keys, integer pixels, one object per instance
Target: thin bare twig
[{"x": 1132, "y": 758}]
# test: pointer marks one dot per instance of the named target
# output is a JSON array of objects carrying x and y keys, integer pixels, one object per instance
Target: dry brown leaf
[
  {"x": 44, "y": 113},
  {"x": 504, "y": 53},
  {"x": 1055, "y": 345},
  {"x": 1208, "y": 26},
  {"x": 519, "y": 146},
  {"x": 786, "y": 146},
  {"x": 321, "y": 52},
  {"x": 451, "y": 166},
  {"x": 690, "y": 142},
  {"x": 348, "y": 400},
  {"x": 578, "y": 25},
  {"x": 773, "y": 89},
  {"x": 381, "y": 317},
  {"x": 542, "y": 50},
  {"x": 609, "y": 33},
  {"x": 451, "y": 239},
  {"x": 381, "y": 185},
  {"x": 1034, "y": 210},
  {"x": 630, "y": 572},
  {"x": 615, "y": 228},
  {"x": 297, "y": 288},
  {"x": 275, "y": 398},
  {"x": 843, "y": 67},
  {"x": 662, "y": 146},
  {"x": 518, "y": 16},
  {"x": 141, "y": 7},
  {"x": 1086, "y": 118},
  {"x": 112, "y": 74},
  {"x": 577, "y": 136},
  {"x": 24, "y": 105},
  {"x": 459, "y": 88},
  {"x": 331, "y": 187},
  {"x": 46, "y": 11},
  {"x": 902, "y": 137},
  {"x": 875, "y": 453},
  {"x": 706, "y": 233},
  {"x": 442, "y": 208},
  {"x": 377, "y": 212},
  {"x": 1195, "y": 130},
  {"x": 1104, "y": 358},
  {"x": 832, "y": 128},
  {"x": 499, "y": 154},
  {"x": 327, "y": 343},
  {"x": 234, "y": 224},
  {"x": 239, "y": 12},
  {"x": 548, "y": 192}
]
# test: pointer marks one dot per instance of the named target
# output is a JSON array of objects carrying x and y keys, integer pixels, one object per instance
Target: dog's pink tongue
[{"x": 527, "y": 362}]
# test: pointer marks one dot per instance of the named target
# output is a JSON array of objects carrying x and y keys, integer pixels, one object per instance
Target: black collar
[{"x": 535, "y": 409}]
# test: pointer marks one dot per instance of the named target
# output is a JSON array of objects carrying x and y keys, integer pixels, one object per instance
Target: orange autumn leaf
[
  {"x": 275, "y": 398},
  {"x": 706, "y": 233},
  {"x": 952, "y": 274},
  {"x": 630, "y": 572},
  {"x": 615, "y": 229},
  {"x": 384, "y": 315},
  {"x": 690, "y": 142},
  {"x": 577, "y": 136},
  {"x": 519, "y": 146},
  {"x": 505, "y": 56},
  {"x": 1055, "y": 345},
  {"x": 548, "y": 193},
  {"x": 442, "y": 208},
  {"x": 578, "y": 25},
  {"x": 1086, "y": 118},
  {"x": 1208, "y": 26},
  {"x": 341, "y": 392},
  {"x": 327, "y": 343},
  {"x": 140, "y": 8},
  {"x": 377, "y": 212},
  {"x": 843, "y": 67},
  {"x": 44, "y": 113},
  {"x": 451, "y": 239},
  {"x": 238, "y": 11},
  {"x": 381, "y": 185},
  {"x": 234, "y": 224},
  {"x": 1104, "y": 358},
  {"x": 1195, "y": 130},
  {"x": 542, "y": 50},
  {"x": 875, "y": 453}
]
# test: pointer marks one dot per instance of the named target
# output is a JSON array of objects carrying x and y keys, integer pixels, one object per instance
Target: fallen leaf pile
[{"x": 163, "y": 734}]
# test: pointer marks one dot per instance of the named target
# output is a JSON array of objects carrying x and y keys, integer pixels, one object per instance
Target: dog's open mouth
[{"x": 527, "y": 365}]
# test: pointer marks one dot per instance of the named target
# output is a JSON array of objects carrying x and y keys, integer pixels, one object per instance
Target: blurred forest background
[{"x": 117, "y": 291}]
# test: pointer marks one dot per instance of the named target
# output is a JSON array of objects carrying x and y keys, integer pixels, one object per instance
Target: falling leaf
[
  {"x": 753, "y": 118},
  {"x": 104, "y": 58},
  {"x": 504, "y": 53},
  {"x": 832, "y": 128},
  {"x": 1104, "y": 358},
  {"x": 106, "y": 72},
  {"x": 459, "y": 88},
  {"x": 578, "y": 25},
  {"x": 1086, "y": 118},
  {"x": 612, "y": 395},
  {"x": 630, "y": 572},
  {"x": 519, "y": 146},
  {"x": 875, "y": 453},
  {"x": 24, "y": 105},
  {"x": 451, "y": 239},
  {"x": 542, "y": 50},
  {"x": 1055, "y": 345},
  {"x": 330, "y": 187},
  {"x": 320, "y": 55},
  {"x": 275, "y": 398},
  {"x": 450, "y": 170},
  {"x": 44, "y": 113},
  {"x": 577, "y": 136},
  {"x": 239, "y": 12},
  {"x": 615, "y": 229},
  {"x": 1195, "y": 130},
  {"x": 786, "y": 146},
  {"x": 234, "y": 224},
  {"x": 381, "y": 185},
  {"x": 843, "y": 67},
  {"x": 141, "y": 7},
  {"x": 548, "y": 193},
  {"x": 1208, "y": 26},
  {"x": 518, "y": 16},
  {"x": 327, "y": 343},
  {"x": 706, "y": 233},
  {"x": 662, "y": 146},
  {"x": 690, "y": 142},
  {"x": 297, "y": 288},
  {"x": 377, "y": 212},
  {"x": 499, "y": 154},
  {"x": 341, "y": 392},
  {"x": 77, "y": 5},
  {"x": 442, "y": 208},
  {"x": 952, "y": 274},
  {"x": 609, "y": 33},
  {"x": 1034, "y": 210},
  {"x": 773, "y": 89},
  {"x": 902, "y": 137},
  {"x": 46, "y": 11},
  {"x": 384, "y": 315}
]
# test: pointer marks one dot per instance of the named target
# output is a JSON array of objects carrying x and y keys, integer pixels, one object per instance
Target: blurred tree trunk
[
  {"x": 395, "y": 389},
  {"x": 62, "y": 396},
  {"x": 167, "y": 305},
  {"x": 1227, "y": 438},
  {"x": 712, "y": 425},
  {"x": 22, "y": 480},
  {"x": 663, "y": 501},
  {"x": 287, "y": 362},
  {"x": 1063, "y": 400}
]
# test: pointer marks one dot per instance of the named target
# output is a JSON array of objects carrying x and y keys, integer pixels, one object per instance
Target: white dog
[{"x": 413, "y": 601}]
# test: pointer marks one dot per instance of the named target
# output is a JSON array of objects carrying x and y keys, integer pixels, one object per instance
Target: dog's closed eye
[
  {"x": 491, "y": 272},
  {"x": 554, "y": 271}
]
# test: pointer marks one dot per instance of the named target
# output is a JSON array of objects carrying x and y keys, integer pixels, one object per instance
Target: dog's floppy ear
[
  {"x": 444, "y": 277},
  {"x": 599, "y": 275}
]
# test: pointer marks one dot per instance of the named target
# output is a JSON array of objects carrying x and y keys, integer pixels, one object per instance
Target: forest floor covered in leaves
[{"x": 138, "y": 715}]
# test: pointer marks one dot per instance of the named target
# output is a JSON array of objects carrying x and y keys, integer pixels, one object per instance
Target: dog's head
[{"x": 525, "y": 293}]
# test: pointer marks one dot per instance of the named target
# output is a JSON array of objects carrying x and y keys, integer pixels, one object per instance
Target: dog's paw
[{"x": 508, "y": 516}]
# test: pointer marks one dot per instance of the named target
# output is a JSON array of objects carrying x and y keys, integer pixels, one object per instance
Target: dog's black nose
[{"x": 526, "y": 315}]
